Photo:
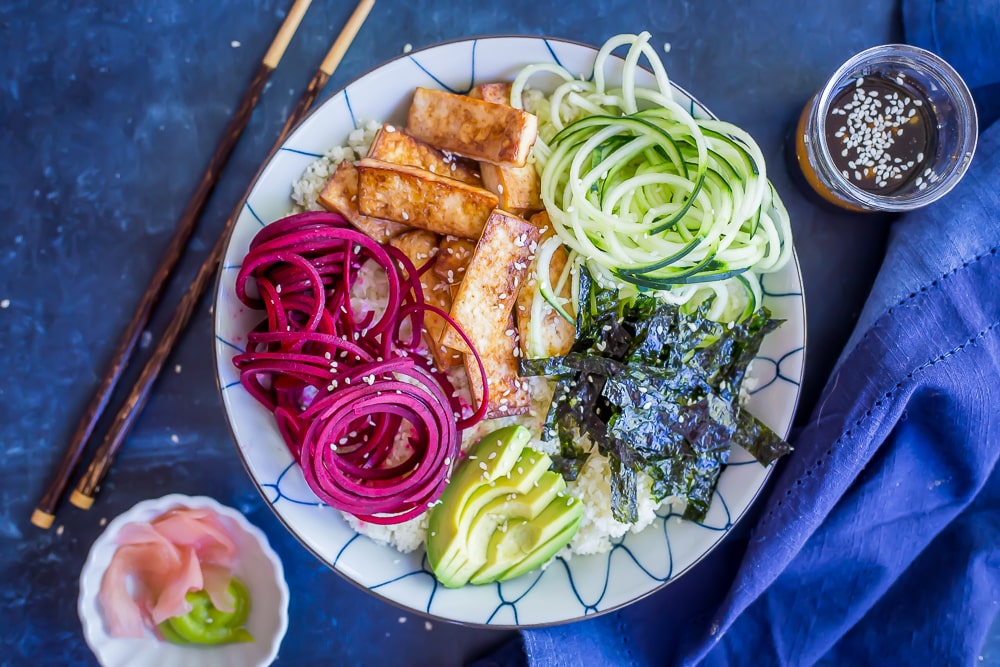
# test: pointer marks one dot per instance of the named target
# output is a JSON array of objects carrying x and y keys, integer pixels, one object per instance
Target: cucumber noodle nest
[{"x": 649, "y": 197}]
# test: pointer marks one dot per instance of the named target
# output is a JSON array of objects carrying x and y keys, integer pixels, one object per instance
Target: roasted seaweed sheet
[{"x": 658, "y": 391}]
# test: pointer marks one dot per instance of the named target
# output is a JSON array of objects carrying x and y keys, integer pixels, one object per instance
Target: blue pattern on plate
[
  {"x": 350, "y": 109},
  {"x": 254, "y": 213},
  {"x": 777, "y": 370},
  {"x": 773, "y": 294},
  {"x": 298, "y": 152},
  {"x": 228, "y": 344},
  {"x": 281, "y": 495},
  {"x": 552, "y": 52},
  {"x": 472, "y": 75}
]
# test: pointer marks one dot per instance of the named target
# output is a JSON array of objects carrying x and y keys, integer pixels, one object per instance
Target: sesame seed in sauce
[{"x": 883, "y": 136}]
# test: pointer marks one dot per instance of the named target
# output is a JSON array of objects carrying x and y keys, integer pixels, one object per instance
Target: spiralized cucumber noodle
[{"x": 650, "y": 197}]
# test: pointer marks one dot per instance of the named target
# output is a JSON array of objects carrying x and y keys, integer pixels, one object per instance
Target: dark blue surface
[{"x": 108, "y": 115}]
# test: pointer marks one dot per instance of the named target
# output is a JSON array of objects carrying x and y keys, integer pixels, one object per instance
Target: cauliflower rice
[{"x": 598, "y": 527}]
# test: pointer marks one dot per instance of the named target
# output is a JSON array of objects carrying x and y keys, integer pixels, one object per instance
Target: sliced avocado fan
[{"x": 503, "y": 513}]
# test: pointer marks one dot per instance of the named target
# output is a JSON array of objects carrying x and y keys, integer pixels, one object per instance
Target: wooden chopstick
[
  {"x": 44, "y": 513},
  {"x": 89, "y": 485}
]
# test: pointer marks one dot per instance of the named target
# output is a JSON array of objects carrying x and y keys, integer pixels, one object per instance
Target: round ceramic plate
[
  {"x": 259, "y": 568},
  {"x": 636, "y": 565}
]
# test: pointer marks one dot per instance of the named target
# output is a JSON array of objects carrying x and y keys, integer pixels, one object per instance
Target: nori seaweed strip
[
  {"x": 760, "y": 441},
  {"x": 657, "y": 390},
  {"x": 624, "y": 494}
]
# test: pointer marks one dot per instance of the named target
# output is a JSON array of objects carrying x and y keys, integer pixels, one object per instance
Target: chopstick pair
[{"x": 89, "y": 485}]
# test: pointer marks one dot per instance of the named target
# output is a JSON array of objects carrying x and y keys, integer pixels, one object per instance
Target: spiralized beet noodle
[{"x": 341, "y": 386}]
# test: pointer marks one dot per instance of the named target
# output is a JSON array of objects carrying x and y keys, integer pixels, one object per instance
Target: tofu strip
[
  {"x": 453, "y": 258},
  {"x": 420, "y": 198},
  {"x": 494, "y": 133},
  {"x": 482, "y": 308},
  {"x": 393, "y": 145},
  {"x": 519, "y": 188},
  {"x": 420, "y": 247},
  {"x": 340, "y": 195},
  {"x": 508, "y": 391}
]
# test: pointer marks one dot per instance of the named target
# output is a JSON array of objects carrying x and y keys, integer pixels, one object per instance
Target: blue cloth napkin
[
  {"x": 880, "y": 541},
  {"x": 966, "y": 33}
]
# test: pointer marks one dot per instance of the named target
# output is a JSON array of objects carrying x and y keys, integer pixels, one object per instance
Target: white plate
[
  {"x": 567, "y": 590},
  {"x": 259, "y": 568}
]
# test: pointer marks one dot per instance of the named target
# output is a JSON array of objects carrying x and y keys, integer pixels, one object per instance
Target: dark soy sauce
[{"x": 880, "y": 131}]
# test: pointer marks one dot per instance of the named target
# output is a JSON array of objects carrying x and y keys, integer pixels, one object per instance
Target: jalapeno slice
[{"x": 205, "y": 624}]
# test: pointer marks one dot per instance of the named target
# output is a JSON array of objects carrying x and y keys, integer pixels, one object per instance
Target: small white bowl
[{"x": 259, "y": 568}]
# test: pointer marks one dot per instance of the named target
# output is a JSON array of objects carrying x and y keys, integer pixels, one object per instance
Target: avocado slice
[
  {"x": 496, "y": 518},
  {"x": 503, "y": 511},
  {"x": 543, "y": 553},
  {"x": 528, "y": 544},
  {"x": 497, "y": 452},
  {"x": 453, "y": 538}
]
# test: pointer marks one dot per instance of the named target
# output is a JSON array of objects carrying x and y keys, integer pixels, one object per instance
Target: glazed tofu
[
  {"x": 496, "y": 271},
  {"x": 340, "y": 195},
  {"x": 518, "y": 188},
  {"x": 495, "y": 93},
  {"x": 482, "y": 308},
  {"x": 420, "y": 246},
  {"x": 476, "y": 129},
  {"x": 543, "y": 223},
  {"x": 453, "y": 258},
  {"x": 508, "y": 392},
  {"x": 393, "y": 145},
  {"x": 420, "y": 198},
  {"x": 557, "y": 335}
]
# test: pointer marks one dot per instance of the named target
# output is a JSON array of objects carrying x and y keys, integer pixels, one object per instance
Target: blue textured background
[{"x": 108, "y": 115}]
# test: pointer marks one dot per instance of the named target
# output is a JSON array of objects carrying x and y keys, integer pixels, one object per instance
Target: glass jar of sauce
[{"x": 894, "y": 129}]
